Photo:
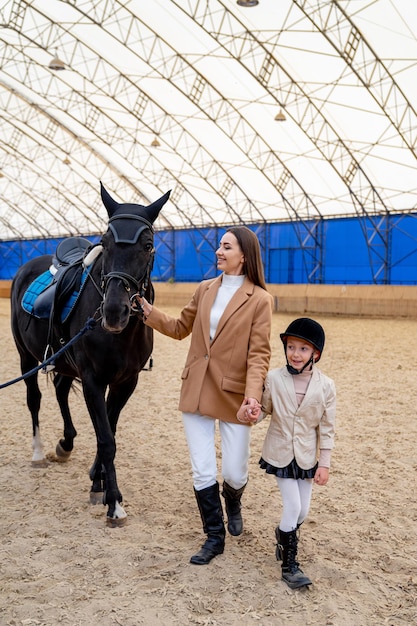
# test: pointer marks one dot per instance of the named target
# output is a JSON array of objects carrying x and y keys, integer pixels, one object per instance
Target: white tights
[
  {"x": 235, "y": 441},
  {"x": 296, "y": 498}
]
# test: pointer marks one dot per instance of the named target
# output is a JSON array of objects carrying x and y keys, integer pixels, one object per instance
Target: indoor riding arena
[{"x": 298, "y": 120}]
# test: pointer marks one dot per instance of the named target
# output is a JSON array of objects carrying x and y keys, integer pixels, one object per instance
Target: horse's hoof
[
  {"x": 40, "y": 463},
  {"x": 115, "y": 522},
  {"x": 96, "y": 497},
  {"x": 62, "y": 456},
  {"x": 117, "y": 517}
]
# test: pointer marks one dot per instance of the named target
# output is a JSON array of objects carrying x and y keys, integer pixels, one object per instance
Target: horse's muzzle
[
  {"x": 115, "y": 319},
  {"x": 115, "y": 330}
]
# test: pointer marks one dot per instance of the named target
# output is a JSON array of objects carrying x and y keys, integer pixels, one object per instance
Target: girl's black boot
[
  {"x": 291, "y": 572},
  {"x": 278, "y": 550}
]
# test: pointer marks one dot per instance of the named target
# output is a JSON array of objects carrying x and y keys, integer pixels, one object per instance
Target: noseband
[{"x": 121, "y": 227}]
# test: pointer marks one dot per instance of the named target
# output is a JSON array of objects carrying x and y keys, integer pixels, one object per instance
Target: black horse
[{"x": 107, "y": 359}]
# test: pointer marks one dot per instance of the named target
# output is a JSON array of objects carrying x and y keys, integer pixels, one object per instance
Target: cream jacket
[
  {"x": 298, "y": 431},
  {"x": 219, "y": 374}
]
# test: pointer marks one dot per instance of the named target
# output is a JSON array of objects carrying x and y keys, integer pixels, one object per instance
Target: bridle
[
  {"x": 140, "y": 285},
  {"x": 121, "y": 234}
]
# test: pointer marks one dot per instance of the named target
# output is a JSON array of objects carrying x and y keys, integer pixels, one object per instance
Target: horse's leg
[
  {"x": 116, "y": 400},
  {"x": 106, "y": 449},
  {"x": 97, "y": 482},
  {"x": 64, "y": 446},
  {"x": 33, "y": 400}
]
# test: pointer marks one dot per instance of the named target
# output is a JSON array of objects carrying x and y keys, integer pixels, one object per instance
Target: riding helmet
[{"x": 308, "y": 329}]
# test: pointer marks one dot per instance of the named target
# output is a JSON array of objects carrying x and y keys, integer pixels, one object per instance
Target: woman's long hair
[{"x": 249, "y": 244}]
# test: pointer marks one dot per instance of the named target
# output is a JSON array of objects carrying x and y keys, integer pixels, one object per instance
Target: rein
[{"x": 89, "y": 325}]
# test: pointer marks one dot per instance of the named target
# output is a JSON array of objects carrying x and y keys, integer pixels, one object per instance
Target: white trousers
[
  {"x": 296, "y": 498},
  {"x": 235, "y": 448}
]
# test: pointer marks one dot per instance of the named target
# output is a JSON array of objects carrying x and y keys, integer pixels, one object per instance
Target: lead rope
[{"x": 89, "y": 325}]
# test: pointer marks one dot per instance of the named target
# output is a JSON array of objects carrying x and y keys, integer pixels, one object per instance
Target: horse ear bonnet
[{"x": 127, "y": 221}]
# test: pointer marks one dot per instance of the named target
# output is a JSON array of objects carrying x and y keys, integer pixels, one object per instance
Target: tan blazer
[
  {"x": 298, "y": 431},
  {"x": 219, "y": 374}
]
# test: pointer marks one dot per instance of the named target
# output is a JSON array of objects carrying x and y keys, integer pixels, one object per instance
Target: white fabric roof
[{"x": 206, "y": 78}]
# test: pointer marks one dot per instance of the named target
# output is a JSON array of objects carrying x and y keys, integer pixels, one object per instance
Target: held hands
[
  {"x": 249, "y": 411},
  {"x": 321, "y": 476}
]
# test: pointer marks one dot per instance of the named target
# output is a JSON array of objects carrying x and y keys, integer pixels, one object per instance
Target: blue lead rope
[{"x": 90, "y": 324}]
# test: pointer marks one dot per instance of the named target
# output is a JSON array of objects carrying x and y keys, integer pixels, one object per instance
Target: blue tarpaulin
[{"x": 332, "y": 251}]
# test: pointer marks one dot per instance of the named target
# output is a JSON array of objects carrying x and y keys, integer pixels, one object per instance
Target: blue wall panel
[
  {"x": 346, "y": 258},
  {"x": 404, "y": 252},
  {"x": 13, "y": 254},
  {"x": 336, "y": 251}
]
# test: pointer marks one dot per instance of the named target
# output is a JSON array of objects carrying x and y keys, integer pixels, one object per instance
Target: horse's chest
[{"x": 119, "y": 363}]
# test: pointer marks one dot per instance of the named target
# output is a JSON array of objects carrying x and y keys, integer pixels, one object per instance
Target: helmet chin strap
[{"x": 294, "y": 372}]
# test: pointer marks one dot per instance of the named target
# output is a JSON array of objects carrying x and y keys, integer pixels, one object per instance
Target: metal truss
[
  {"x": 157, "y": 121},
  {"x": 340, "y": 31},
  {"x": 289, "y": 94},
  {"x": 144, "y": 116}
]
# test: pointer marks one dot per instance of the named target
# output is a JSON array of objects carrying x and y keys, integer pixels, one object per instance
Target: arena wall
[
  {"x": 327, "y": 252},
  {"x": 354, "y": 300},
  {"x": 5, "y": 288}
]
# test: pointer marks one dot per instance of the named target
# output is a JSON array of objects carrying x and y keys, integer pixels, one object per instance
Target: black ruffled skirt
[{"x": 293, "y": 470}]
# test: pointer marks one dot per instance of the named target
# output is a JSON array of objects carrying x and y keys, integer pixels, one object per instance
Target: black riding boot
[
  {"x": 232, "y": 499},
  {"x": 210, "y": 507},
  {"x": 291, "y": 573},
  {"x": 278, "y": 550}
]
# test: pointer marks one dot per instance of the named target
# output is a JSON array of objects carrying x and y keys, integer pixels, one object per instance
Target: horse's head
[{"x": 128, "y": 251}]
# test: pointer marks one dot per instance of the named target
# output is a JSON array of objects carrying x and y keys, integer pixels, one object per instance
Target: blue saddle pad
[{"x": 40, "y": 284}]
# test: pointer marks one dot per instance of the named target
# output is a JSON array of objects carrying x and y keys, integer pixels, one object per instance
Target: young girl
[{"x": 302, "y": 403}]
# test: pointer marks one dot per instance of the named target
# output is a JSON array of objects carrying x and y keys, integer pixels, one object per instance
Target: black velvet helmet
[{"x": 308, "y": 329}]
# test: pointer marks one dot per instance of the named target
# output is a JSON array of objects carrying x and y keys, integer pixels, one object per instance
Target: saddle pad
[{"x": 40, "y": 284}]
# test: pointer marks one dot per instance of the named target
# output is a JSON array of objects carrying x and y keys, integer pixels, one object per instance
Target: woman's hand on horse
[{"x": 146, "y": 307}]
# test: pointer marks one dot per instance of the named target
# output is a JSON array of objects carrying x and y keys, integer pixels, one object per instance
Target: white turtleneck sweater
[{"x": 230, "y": 284}]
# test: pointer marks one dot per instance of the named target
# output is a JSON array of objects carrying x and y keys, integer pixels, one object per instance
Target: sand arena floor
[{"x": 61, "y": 565}]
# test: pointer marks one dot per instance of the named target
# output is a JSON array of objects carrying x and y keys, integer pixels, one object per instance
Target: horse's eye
[{"x": 149, "y": 247}]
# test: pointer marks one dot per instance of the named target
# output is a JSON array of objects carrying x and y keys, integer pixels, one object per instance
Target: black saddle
[
  {"x": 67, "y": 262},
  {"x": 71, "y": 250}
]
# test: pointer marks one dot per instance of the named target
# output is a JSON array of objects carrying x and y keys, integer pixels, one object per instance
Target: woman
[{"x": 230, "y": 320}]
